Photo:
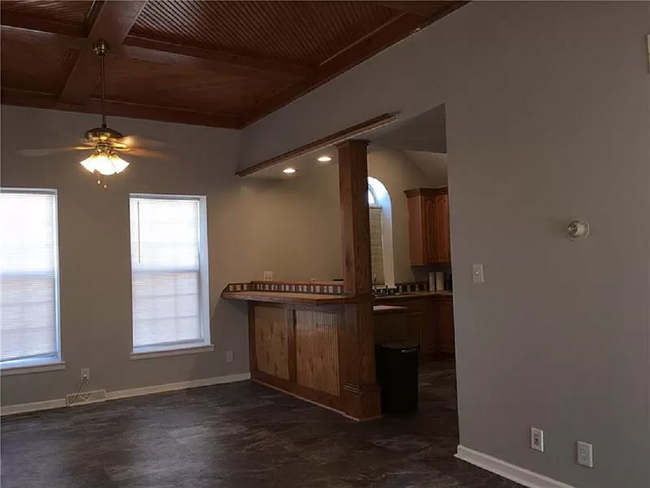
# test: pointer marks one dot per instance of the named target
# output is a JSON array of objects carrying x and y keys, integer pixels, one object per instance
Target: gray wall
[
  {"x": 252, "y": 227},
  {"x": 547, "y": 117}
]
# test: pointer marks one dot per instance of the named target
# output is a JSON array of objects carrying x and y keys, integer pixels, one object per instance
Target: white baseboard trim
[
  {"x": 182, "y": 385},
  {"x": 507, "y": 470},
  {"x": 133, "y": 392},
  {"x": 32, "y": 407}
]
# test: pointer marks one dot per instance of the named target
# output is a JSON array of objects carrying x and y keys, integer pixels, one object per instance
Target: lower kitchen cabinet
[
  {"x": 444, "y": 330},
  {"x": 431, "y": 318}
]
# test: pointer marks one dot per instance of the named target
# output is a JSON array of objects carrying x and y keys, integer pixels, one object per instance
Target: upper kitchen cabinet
[{"x": 429, "y": 241}]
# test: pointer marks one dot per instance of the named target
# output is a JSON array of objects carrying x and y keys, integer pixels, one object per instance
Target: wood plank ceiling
[{"x": 216, "y": 63}]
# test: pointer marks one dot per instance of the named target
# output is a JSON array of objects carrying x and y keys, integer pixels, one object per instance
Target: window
[
  {"x": 29, "y": 281},
  {"x": 381, "y": 233},
  {"x": 169, "y": 268},
  {"x": 376, "y": 238}
]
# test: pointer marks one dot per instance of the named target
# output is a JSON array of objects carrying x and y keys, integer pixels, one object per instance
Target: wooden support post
[{"x": 359, "y": 390}]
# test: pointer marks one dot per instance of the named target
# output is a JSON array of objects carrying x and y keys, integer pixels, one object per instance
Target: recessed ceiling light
[
  {"x": 289, "y": 171},
  {"x": 324, "y": 159}
]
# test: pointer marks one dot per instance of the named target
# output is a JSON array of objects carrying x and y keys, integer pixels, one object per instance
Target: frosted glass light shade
[{"x": 106, "y": 164}]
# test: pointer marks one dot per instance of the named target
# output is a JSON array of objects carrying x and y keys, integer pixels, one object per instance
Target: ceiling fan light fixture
[{"x": 104, "y": 163}]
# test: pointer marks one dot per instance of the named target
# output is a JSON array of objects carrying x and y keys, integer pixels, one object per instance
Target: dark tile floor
[{"x": 239, "y": 435}]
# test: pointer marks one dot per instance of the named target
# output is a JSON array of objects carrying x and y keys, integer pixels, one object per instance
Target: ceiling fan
[{"x": 105, "y": 143}]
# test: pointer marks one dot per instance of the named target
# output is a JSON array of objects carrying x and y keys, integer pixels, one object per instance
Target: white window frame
[
  {"x": 179, "y": 348},
  {"x": 42, "y": 363}
]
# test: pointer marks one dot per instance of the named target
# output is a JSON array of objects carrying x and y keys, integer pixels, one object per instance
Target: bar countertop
[{"x": 283, "y": 297}]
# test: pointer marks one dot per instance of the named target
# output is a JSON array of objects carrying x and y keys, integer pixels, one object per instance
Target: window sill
[
  {"x": 161, "y": 353},
  {"x": 40, "y": 367}
]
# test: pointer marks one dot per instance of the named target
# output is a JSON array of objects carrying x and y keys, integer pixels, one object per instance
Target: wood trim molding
[
  {"x": 326, "y": 141},
  {"x": 122, "y": 109}
]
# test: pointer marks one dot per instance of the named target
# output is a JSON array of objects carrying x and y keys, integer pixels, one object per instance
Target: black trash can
[{"x": 397, "y": 375}]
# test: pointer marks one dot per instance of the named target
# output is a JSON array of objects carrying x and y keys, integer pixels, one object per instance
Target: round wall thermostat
[{"x": 578, "y": 230}]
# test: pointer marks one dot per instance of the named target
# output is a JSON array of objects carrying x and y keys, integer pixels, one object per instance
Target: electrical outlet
[
  {"x": 268, "y": 275},
  {"x": 229, "y": 357},
  {"x": 477, "y": 273},
  {"x": 85, "y": 374},
  {"x": 585, "y": 454},
  {"x": 537, "y": 439}
]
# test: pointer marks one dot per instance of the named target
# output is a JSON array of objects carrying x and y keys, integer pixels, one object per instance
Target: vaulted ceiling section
[{"x": 215, "y": 63}]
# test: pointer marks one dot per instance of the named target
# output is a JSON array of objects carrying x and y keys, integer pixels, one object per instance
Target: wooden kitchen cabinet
[
  {"x": 444, "y": 331},
  {"x": 428, "y": 213},
  {"x": 430, "y": 320}
]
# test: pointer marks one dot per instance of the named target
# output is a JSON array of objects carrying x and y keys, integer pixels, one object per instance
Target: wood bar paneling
[
  {"x": 271, "y": 337},
  {"x": 317, "y": 360}
]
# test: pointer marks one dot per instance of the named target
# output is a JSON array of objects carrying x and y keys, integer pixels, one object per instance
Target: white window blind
[
  {"x": 29, "y": 318},
  {"x": 169, "y": 272},
  {"x": 376, "y": 246}
]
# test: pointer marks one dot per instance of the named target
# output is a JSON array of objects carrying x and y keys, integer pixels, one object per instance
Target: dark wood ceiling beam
[
  {"x": 169, "y": 53},
  {"x": 111, "y": 21},
  {"x": 393, "y": 31},
  {"x": 32, "y": 29},
  {"x": 119, "y": 109}
]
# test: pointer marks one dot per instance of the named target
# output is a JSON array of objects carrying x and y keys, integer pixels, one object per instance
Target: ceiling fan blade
[
  {"x": 52, "y": 150},
  {"x": 137, "y": 141},
  {"x": 144, "y": 153}
]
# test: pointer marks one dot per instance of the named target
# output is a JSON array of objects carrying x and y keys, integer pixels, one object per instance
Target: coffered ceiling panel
[
  {"x": 219, "y": 63},
  {"x": 224, "y": 91},
  {"x": 270, "y": 29},
  {"x": 74, "y": 11},
  {"x": 40, "y": 67}
]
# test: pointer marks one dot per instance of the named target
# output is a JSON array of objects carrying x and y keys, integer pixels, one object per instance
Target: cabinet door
[
  {"x": 417, "y": 231},
  {"x": 430, "y": 230},
  {"x": 443, "y": 240},
  {"x": 428, "y": 328},
  {"x": 445, "y": 327}
]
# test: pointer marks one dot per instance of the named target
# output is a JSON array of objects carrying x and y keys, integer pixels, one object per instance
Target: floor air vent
[{"x": 85, "y": 398}]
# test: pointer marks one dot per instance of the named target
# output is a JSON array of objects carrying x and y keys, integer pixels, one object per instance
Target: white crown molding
[
  {"x": 506, "y": 470},
  {"x": 133, "y": 392}
]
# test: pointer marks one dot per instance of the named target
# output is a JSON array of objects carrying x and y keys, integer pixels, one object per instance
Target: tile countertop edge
[{"x": 295, "y": 298}]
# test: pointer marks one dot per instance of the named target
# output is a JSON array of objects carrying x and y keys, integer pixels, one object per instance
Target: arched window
[
  {"x": 371, "y": 197},
  {"x": 381, "y": 233}
]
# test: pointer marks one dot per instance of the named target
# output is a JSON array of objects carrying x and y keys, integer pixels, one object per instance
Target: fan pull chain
[{"x": 101, "y": 181}]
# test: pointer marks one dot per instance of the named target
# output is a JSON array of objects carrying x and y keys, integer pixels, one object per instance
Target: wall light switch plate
[
  {"x": 268, "y": 275},
  {"x": 537, "y": 439},
  {"x": 477, "y": 273},
  {"x": 229, "y": 357},
  {"x": 585, "y": 454}
]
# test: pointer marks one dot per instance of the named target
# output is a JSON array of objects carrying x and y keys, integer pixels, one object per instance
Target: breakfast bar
[{"x": 295, "y": 339}]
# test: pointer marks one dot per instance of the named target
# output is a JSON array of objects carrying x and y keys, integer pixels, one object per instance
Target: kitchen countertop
[
  {"x": 383, "y": 309},
  {"x": 414, "y": 295}
]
